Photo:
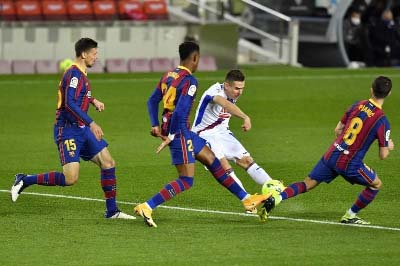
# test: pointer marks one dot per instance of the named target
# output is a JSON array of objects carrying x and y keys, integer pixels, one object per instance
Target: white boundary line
[
  {"x": 290, "y": 77},
  {"x": 214, "y": 211}
]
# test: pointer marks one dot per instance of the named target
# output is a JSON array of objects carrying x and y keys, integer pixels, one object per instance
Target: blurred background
[{"x": 37, "y": 36}]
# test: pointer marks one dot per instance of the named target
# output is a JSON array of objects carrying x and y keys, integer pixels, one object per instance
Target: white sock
[
  {"x": 351, "y": 212},
  {"x": 258, "y": 174}
]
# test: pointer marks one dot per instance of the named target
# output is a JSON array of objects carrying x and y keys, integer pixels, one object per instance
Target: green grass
[{"x": 293, "y": 113}]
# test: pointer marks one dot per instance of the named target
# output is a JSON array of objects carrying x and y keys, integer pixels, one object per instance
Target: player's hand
[
  {"x": 246, "y": 124},
  {"x": 97, "y": 131},
  {"x": 391, "y": 145},
  {"x": 163, "y": 144},
  {"x": 99, "y": 105},
  {"x": 155, "y": 131}
]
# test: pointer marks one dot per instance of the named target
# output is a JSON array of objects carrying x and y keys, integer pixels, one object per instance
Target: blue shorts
[
  {"x": 357, "y": 173},
  {"x": 185, "y": 146},
  {"x": 74, "y": 142}
]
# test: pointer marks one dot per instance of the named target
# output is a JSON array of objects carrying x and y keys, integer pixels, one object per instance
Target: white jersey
[{"x": 210, "y": 117}]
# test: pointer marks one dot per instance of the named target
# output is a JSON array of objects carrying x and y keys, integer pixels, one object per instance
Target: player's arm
[
  {"x": 384, "y": 151},
  {"x": 181, "y": 113},
  {"x": 234, "y": 110},
  {"x": 386, "y": 144},
  {"x": 71, "y": 104},
  {"x": 152, "y": 107},
  {"x": 97, "y": 104},
  {"x": 339, "y": 128}
]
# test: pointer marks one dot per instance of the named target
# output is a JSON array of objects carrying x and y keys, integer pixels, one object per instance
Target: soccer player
[
  {"x": 177, "y": 89},
  {"x": 360, "y": 125},
  {"x": 214, "y": 111},
  {"x": 77, "y": 135}
]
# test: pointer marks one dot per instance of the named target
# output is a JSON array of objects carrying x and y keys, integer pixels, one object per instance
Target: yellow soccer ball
[
  {"x": 274, "y": 186},
  {"x": 65, "y": 64}
]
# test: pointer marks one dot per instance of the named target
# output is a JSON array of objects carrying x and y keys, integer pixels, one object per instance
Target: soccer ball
[
  {"x": 64, "y": 64},
  {"x": 274, "y": 186}
]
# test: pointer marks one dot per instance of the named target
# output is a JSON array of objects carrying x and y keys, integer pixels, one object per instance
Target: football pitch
[{"x": 293, "y": 112}]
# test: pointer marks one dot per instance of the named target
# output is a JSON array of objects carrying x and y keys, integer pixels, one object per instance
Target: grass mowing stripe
[
  {"x": 214, "y": 211},
  {"x": 283, "y": 77}
]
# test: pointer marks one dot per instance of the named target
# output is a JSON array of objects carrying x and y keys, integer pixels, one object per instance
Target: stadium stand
[
  {"x": 116, "y": 65},
  {"x": 7, "y": 10},
  {"x": 97, "y": 67},
  {"x": 79, "y": 10},
  {"x": 23, "y": 67},
  {"x": 160, "y": 64},
  {"x": 131, "y": 9},
  {"x": 104, "y": 9},
  {"x": 139, "y": 65},
  {"x": 28, "y": 10},
  {"x": 5, "y": 67},
  {"x": 46, "y": 66},
  {"x": 207, "y": 63},
  {"x": 155, "y": 9},
  {"x": 54, "y": 9},
  {"x": 36, "y": 10}
]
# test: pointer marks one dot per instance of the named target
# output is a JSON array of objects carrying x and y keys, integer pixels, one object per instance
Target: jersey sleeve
[
  {"x": 71, "y": 104},
  {"x": 383, "y": 133},
  {"x": 182, "y": 110},
  {"x": 152, "y": 105}
]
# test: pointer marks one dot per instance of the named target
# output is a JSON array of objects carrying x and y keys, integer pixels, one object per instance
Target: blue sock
[
  {"x": 170, "y": 190},
  {"x": 363, "y": 199},
  {"x": 226, "y": 180},
  {"x": 109, "y": 186},
  {"x": 293, "y": 190},
  {"x": 45, "y": 179}
]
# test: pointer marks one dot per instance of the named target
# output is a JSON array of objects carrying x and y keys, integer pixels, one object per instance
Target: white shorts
[{"x": 224, "y": 144}]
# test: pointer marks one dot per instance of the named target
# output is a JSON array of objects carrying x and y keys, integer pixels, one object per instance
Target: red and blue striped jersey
[
  {"x": 364, "y": 122},
  {"x": 177, "y": 89},
  {"x": 74, "y": 96}
]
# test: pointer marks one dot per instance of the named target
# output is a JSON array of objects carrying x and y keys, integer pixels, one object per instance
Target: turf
[{"x": 293, "y": 111}]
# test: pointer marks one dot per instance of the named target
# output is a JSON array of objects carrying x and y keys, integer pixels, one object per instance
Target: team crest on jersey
[
  {"x": 74, "y": 82},
  {"x": 192, "y": 90}
]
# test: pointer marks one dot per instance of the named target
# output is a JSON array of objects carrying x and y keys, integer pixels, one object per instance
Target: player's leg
[
  {"x": 235, "y": 151},
  {"x": 170, "y": 190},
  {"x": 216, "y": 143},
  {"x": 68, "y": 149},
  {"x": 181, "y": 149},
  {"x": 320, "y": 173},
  {"x": 256, "y": 172},
  {"x": 229, "y": 170},
  {"x": 175, "y": 187},
  {"x": 207, "y": 158},
  {"x": 108, "y": 179},
  {"x": 367, "y": 177},
  {"x": 250, "y": 202}
]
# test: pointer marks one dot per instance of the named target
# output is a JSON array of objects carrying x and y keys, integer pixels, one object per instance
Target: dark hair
[
  {"x": 381, "y": 87},
  {"x": 234, "y": 75},
  {"x": 187, "y": 48},
  {"x": 83, "y": 45}
]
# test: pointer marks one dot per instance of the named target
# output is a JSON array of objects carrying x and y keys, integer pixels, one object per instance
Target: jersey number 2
[{"x": 190, "y": 145}]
